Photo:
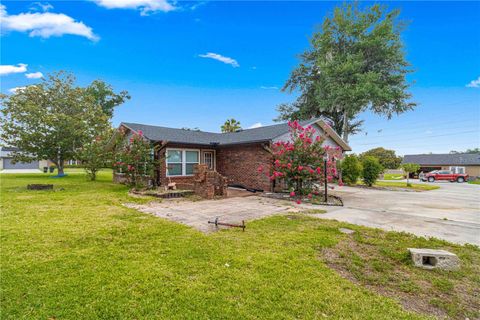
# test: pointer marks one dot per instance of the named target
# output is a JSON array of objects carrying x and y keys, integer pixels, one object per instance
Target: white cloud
[
  {"x": 41, "y": 6},
  {"x": 45, "y": 24},
  {"x": 34, "y": 75},
  {"x": 474, "y": 83},
  {"x": 6, "y": 69},
  {"x": 14, "y": 90},
  {"x": 269, "y": 88},
  {"x": 219, "y": 57},
  {"x": 256, "y": 125},
  {"x": 145, "y": 6}
]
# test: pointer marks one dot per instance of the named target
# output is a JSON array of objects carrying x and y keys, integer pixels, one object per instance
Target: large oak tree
[
  {"x": 356, "y": 62},
  {"x": 55, "y": 118}
]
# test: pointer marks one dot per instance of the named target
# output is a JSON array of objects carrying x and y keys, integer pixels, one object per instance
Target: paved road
[
  {"x": 16, "y": 171},
  {"x": 451, "y": 212}
]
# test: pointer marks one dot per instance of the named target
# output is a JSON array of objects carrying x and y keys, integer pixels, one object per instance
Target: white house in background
[{"x": 6, "y": 161}]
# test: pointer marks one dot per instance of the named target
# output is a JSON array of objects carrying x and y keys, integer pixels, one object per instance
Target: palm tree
[{"x": 231, "y": 125}]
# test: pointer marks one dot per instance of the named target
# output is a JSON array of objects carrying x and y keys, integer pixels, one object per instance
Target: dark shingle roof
[
  {"x": 156, "y": 133},
  {"x": 443, "y": 159}
]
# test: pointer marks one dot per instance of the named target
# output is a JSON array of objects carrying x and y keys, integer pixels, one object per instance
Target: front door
[{"x": 208, "y": 159}]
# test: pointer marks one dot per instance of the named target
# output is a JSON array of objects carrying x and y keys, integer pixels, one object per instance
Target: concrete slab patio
[{"x": 230, "y": 210}]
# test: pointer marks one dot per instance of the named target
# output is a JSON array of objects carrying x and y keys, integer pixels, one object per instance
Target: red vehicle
[{"x": 445, "y": 175}]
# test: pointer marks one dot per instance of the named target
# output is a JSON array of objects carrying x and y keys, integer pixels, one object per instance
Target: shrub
[
  {"x": 351, "y": 169},
  {"x": 371, "y": 169}
]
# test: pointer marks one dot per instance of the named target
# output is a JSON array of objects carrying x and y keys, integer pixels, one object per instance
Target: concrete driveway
[{"x": 451, "y": 212}]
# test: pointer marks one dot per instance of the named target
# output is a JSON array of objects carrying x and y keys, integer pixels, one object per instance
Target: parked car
[{"x": 445, "y": 175}]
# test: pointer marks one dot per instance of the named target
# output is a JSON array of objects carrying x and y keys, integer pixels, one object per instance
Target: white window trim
[
  {"x": 214, "y": 155},
  {"x": 453, "y": 169},
  {"x": 184, "y": 161}
]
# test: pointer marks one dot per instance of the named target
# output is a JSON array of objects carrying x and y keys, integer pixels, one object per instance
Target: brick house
[{"x": 235, "y": 155}]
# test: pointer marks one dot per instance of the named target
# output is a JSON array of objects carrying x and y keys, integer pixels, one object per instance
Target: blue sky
[{"x": 163, "y": 54}]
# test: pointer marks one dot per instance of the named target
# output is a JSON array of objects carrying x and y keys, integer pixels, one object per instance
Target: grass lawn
[
  {"x": 393, "y": 176},
  {"x": 403, "y": 185},
  {"x": 477, "y": 181},
  {"x": 399, "y": 184},
  {"x": 77, "y": 253}
]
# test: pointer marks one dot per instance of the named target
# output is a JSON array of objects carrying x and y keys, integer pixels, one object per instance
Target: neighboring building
[
  {"x": 468, "y": 163},
  {"x": 236, "y": 155},
  {"x": 6, "y": 160}
]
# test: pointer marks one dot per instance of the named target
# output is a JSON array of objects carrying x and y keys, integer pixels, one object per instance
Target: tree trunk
[
  {"x": 60, "y": 167},
  {"x": 345, "y": 126}
]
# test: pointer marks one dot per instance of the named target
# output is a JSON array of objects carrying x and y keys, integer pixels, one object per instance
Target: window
[
  {"x": 191, "y": 159},
  {"x": 208, "y": 159},
  {"x": 180, "y": 162},
  {"x": 459, "y": 170}
]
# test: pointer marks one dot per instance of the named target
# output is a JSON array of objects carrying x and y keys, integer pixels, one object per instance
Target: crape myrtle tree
[
  {"x": 134, "y": 157},
  {"x": 299, "y": 162},
  {"x": 96, "y": 154},
  {"x": 356, "y": 62},
  {"x": 55, "y": 118}
]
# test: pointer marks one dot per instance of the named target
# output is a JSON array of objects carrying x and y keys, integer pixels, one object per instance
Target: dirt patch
[{"x": 389, "y": 272}]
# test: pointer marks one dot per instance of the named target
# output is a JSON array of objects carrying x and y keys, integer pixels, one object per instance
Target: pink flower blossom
[
  {"x": 298, "y": 201},
  {"x": 260, "y": 169},
  {"x": 292, "y": 194}
]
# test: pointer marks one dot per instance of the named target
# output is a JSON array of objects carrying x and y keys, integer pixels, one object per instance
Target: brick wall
[
  {"x": 183, "y": 182},
  {"x": 240, "y": 164}
]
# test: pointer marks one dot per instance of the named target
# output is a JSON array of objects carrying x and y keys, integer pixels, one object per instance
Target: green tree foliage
[
  {"x": 371, "y": 169},
  {"x": 53, "y": 119},
  {"x": 474, "y": 150},
  {"x": 410, "y": 168},
  {"x": 388, "y": 159},
  {"x": 351, "y": 169},
  {"x": 356, "y": 62},
  {"x": 104, "y": 95},
  {"x": 231, "y": 125},
  {"x": 95, "y": 155}
]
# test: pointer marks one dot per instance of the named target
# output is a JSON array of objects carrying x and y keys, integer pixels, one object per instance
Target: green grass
[
  {"x": 393, "y": 176},
  {"x": 477, "y": 181},
  {"x": 314, "y": 211},
  {"x": 77, "y": 253},
  {"x": 413, "y": 186}
]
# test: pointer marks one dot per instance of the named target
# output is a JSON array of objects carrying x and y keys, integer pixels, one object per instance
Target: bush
[
  {"x": 351, "y": 169},
  {"x": 371, "y": 169}
]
